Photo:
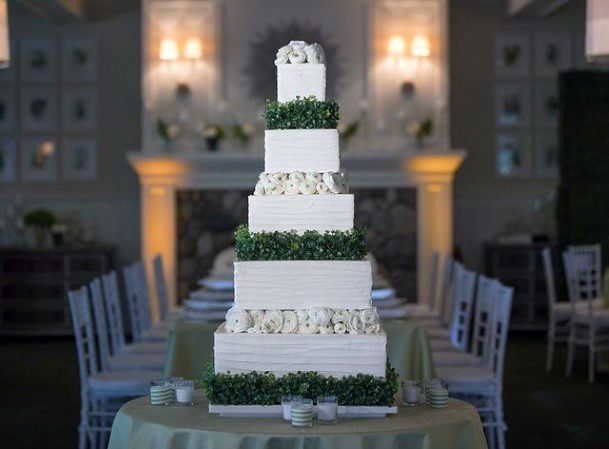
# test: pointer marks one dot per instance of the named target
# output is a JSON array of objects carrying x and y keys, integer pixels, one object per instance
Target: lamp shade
[
  {"x": 5, "y": 46},
  {"x": 597, "y": 31}
]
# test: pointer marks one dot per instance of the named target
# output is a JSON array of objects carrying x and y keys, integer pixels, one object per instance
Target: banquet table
[
  {"x": 140, "y": 425},
  {"x": 190, "y": 348}
]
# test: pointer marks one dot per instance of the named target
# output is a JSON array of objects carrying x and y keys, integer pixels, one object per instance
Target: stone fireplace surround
[{"x": 162, "y": 175}]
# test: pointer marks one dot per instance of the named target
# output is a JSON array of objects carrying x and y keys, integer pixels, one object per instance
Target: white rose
[
  {"x": 263, "y": 176},
  {"x": 297, "y": 56},
  {"x": 279, "y": 177},
  {"x": 333, "y": 181},
  {"x": 255, "y": 329},
  {"x": 315, "y": 54},
  {"x": 340, "y": 328},
  {"x": 297, "y": 176},
  {"x": 290, "y": 322},
  {"x": 370, "y": 316},
  {"x": 266, "y": 181},
  {"x": 302, "y": 315},
  {"x": 279, "y": 60},
  {"x": 312, "y": 176},
  {"x": 298, "y": 45},
  {"x": 307, "y": 187},
  {"x": 321, "y": 188},
  {"x": 291, "y": 187},
  {"x": 309, "y": 328},
  {"x": 320, "y": 316},
  {"x": 257, "y": 316},
  {"x": 372, "y": 328},
  {"x": 355, "y": 325},
  {"x": 275, "y": 189},
  {"x": 237, "y": 320},
  {"x": 272, "y": 322},
  {"x": 282, "y": 55},
  {"x": 328, "y": 329},
  {"x": 340, "y": 316},
  {"x": 259, "y": 189}
]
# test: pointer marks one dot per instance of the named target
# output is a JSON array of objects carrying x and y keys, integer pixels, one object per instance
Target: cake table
[
  {"x": 190, "y": 347},
  {"x": 140, "y": 425}
]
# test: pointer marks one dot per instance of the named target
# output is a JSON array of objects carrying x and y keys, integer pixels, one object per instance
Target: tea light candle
[
  {"x": 160, "y": 394},
  {"x": 327, "y": 407},
  {"x": 412, "y": 392},
  {"x": 302, "y": 413},
  {"x": 286, "y": 405},
  {"x": 184, "y": 391}
]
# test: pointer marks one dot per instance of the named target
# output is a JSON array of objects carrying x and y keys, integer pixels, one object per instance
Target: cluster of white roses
[
  {"x": 317, "y": 320},
  {"x": 301, "y": 183},
  {"x": 299, "y": 52}
]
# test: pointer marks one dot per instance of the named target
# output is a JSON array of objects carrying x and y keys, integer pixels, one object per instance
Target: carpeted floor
[{"x": 39, "y": 405}]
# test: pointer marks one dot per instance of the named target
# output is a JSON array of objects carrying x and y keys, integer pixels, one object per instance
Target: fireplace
[
  {"x": 405, "y": 199},
  {"x": 207, "y": 219}
]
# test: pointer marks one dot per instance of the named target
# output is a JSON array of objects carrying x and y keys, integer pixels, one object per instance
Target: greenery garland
[
  {"x": 302, "y": 113},
  {"x": 266, "y": 389},
  {"x": 311, "y": 245}
]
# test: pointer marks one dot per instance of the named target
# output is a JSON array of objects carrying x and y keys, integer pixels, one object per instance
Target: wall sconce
[
  {"x": 396, "y": 47},
  {"x": 193, "y": 48},
  {"x": 420, "y": 47},
  {"x": 168, "y": 50}
]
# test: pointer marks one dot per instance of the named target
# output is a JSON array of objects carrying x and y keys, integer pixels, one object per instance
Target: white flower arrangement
[
  {"x": 317, "y": 320},
  {"x": 299, "y": 52},
  {"x": 296, "y": 183}
]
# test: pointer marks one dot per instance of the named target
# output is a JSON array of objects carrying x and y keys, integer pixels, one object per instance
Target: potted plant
[
  {"x": 421, "y": 130},
  {"x": 168, "y": 132},
  {"x": 243, "y": 133},
  {"x": 41, "y": 221},
  {"x": 213, "y": 134}
]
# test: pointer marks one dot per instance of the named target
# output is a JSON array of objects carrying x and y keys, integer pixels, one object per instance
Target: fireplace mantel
[{"x": 162, "y": 174}]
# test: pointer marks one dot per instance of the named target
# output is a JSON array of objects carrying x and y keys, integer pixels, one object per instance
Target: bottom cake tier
[{"x": 336, "y": 355}]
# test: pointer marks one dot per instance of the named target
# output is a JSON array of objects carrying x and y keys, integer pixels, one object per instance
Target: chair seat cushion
[
  {"x": 600, "y": 316},
  {"x": 145, "y": 348},
  {"x": 133, "y": 382},
  {"x": 467, "y": 379},
  {"x": 137, "y": 361},
  {"x": 455, "y": 358},
  {"x": 562, "y": 310}
]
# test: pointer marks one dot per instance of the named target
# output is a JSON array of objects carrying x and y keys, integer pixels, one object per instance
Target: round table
[
  {"x": 139, "y": 425},
  {"x": 191, "y": 345}
]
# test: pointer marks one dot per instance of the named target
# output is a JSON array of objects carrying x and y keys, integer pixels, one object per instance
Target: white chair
[
  {"x": 138, "y": 302},
  {"x": 166, "y": 314},
  {"x": 589, "y": 325},
  {"x": 101, "y": 393},
  {"x": 456, "y": 337},
  {"x": 117, "y": 362},
  {"x": 559, "y": 313},
  {"x": 486, "y": 293},
  {"x": 114, "y": 313},
  {"x": 483, "y": 385},
  {"x": 430, "y": 307}
]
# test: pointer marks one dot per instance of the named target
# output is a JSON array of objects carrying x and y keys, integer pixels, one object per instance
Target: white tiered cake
[{"x": 301, "y": 315}]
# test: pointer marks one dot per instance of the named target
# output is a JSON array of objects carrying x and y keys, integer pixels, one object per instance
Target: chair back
[
  {"x": 133, "y": 303},
  {"x": 101, "y": 325},
  {"x": 114, "y": 312},
  {"x": 446, "y": 289},
  {"x": 143, "y": 295},
  {"x": 83, "y": 336},
  {"x": 499, "y": 331},
  {"x": 583, "y": 272},
  {"x": 464, "y": 285},
  {"x": 160, "y": 286},
  {"x": 486, "y": 295},
  {"x": 548, "y": 269}
]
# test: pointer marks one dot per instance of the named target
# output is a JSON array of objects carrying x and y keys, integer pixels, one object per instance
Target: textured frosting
[
  {"x": 306, "y": 150},
  {"x": 300, "y": 213},
  {"x": 302, "y": 284},
  {"x": 301, "y": 80},
  {"x": 329, "y": 355}
]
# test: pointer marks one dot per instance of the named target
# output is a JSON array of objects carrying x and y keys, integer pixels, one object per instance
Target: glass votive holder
[
  {"x": 438, "y": 395},
  {"x": 161, "y": 393},
  {"x": 286, "y": 405},
  {"x": 185, "y": 390},
  {"x": 411, "y": 392},
  {"x": 327, "y": 409},
  {"x": 302, "y": 413},
  {"x": 427, "y": 385}
]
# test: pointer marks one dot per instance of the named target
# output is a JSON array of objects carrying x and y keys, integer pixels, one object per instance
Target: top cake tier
[{"x": 301, "y": 71}]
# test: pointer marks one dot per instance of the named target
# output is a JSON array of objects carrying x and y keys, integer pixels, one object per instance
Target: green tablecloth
[
  {"x": 139, "y": 425},
  {"x": 190, "y": 348}
]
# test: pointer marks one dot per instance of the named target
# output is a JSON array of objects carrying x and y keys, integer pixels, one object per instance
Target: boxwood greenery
[
  {"x": 312, "y": 245},
  {"x": 257, "y": 388},
  {"x": 302, "y": 113}
]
